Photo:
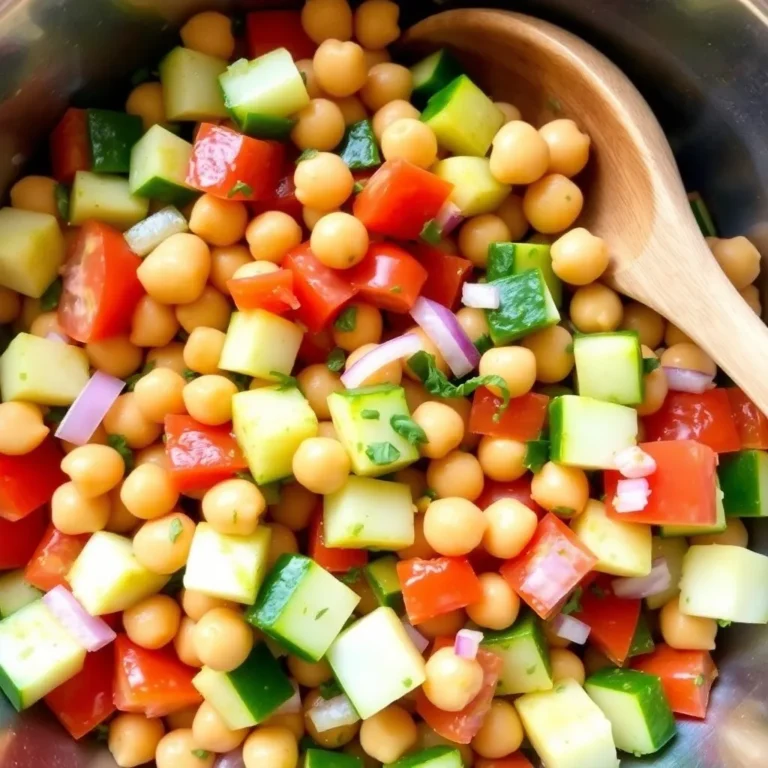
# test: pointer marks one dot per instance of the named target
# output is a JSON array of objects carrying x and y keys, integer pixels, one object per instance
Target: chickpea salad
[{"x": 323, "y": 444}]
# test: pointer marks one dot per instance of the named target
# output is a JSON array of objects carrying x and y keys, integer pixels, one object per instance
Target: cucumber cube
[
  {"x": 369, "y": 513},
  {"x": 623, "y": 549},
  {"x": 524, "y": 652},
  {"x": 375, "y": 662},
  {"x": 107, "y": 199},
  {"x": 432, "y": 74},
  {"x": 323, "y": 758},
  {"x": 642, "y": 640},
  {"x": 744, "y": 482},
  {"x": 31, "y": 250},
  {"x": 190, "y": 81},
  {"x": 475, "y": 189},
  {"x": 673, "y": 551},
  {"x": 725, "y": 582},
  {"x": 270, "y": 423},
  {"x": 15, "y": 593},
  {"x": 566, "y": 728},
  {"x": 609, "y": 366},
  {"x": 634, "y": 702},
  {"x": 588, "y": 433},
  {"x": 42, "y": 371},
  {"x": 112, "y": 136},
  {"x": 364, "y": 419},
  {"x": 302, "y": 606},
  {"x": 248, "y": 695},
  {"x": 433, "y": 757},
  {"x": 383, "y": 579},
  {"x": 227, "y": 566},
  {"x": 505, "y": 259}
]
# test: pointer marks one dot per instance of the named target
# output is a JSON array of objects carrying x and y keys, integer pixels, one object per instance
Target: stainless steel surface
[{"x": 703, "y": 65}]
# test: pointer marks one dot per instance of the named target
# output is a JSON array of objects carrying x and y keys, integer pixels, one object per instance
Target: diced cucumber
[
  {"x": 112, "y": 136},
  {"x": 260, "y": 344},
  {"x": 359, "y": 149},
  {"x": 15, "y": 593},
  {"x": 623, "y": 549},
  {"x": 107, "y": 199},
  {"x": 248, "y": 695},
  {"x": 609, "y": 366},
  {"x": 725, "y": 582},
  {"x": 227, "y": 566},
  {"x": 382, "y": 576},
  {"x": 190, "y": 81},
  {"x": 324, "y": 758},
  {"x": 31, "y": 250},
  {"x": 566, "y": 728},
  {"x": 475, "y": 189},
  {"x": 144, "y": 237},
  {"x": 432, "y": 74},
  {"x": 159, "y": 167},
  {"x": 363, "y": 419},
  {"x": 107, "y": 578},
  {"x": 36, "y": 655},
  {"x": 673, "y": 551},
  {"x": 588, "y": 433},
  {"x": 369, "y": 513},
  {"x": 641, "y": 720},
  {"x": 432, "y": 757},
  {"x": 719, "y": 526},
  {"x": 463, "y": 118},
  {"x": 523, "y": 649},
  {"x": 302, "y": 606},
  {"x": 744, "y": 482},
  {"x": 642, "y": 640},
  {"x": 525, "y": 306},
  {"x": 270, "y": 423},
  {"x": 375, "y": 662},
  {"x": 505, "y": 259},
  {"x": 42, "y": 371}
]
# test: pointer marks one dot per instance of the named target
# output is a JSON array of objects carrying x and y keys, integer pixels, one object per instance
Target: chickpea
[
  {"x": 595, "y": 660},
  {"x": 225, "y": 261},
  {"x": 162, "y": 545},
  {"x": 560, "y": 489},
  {"x": 568, "y": 147},
  {"x": 212, "y": 733},
  {"x": 516, "y": 365},
  {"x": 751, "y": 294},
  {"x": 415, "y": 394},
  {"x": 473, "y": 322},
  {"x": 579, "y": 257},
  {"x": 686, "y": 633},
  {"x": 311, "y": 216},
  {"x": 153, "y": 324},
  {"x": 196, "y": 604},
  {"x": 317, "y": 383},
  {"x": 391, "y": 373},
  {"x": 307, "y": 70},
  {"x": 181, "y": 718},
  {"x": 210, "y": 310},
  {"x": 655, "y": 388},
  {"x": 452, "y": 681},
  {"x": 552, "y": 204},
  {"x": 321, "y": 465},
  {"x": 331, "y": 739},
  {"x": 293, "y": 722},
  {"x": 93, "y": 469},
  {"x": 339, "y": 240},
  {"x": 649, "y": 325},
  {"x": 177, "y": 270},
  {"x": 222, "y": 639},
  {"x": 510, "y": 111},
  {"x": 376, "y": 24},
  {"x": 183, "y": 644},
  {"x": 673, "y": 335},
  {"x": 307, "y": 673},
  {"x": 367, "y": 328},
  {"x": 499, "y": 605},
  {"x": 210, "y": 33},
  {"x": 323, "y": 181},
  {"x": 414, "y": 479},
  {"x": 295, "y": 507},
  {"x": 10, "y": 305},
  {"x": 153, "y": 622},
  {"x": 45, "y": 323},
  {"x": 159, "y": 393},
  {"x": 178, "y": 749},
  {"x": 510, "y": 525},
  {"x": 340, "y": 67},
  {"x": 519, "y": 154},
  {"x": 218, "y": 222},
  {"x": 326, "y": 429},
  {"x": 476, "y": 235},
  {"x": 327, "y": 19},
  {"x": 154, "y": 454},
  {"x": 453, "y": 526},
  {"x": 120, "y": 519},
  {"x": 596, "y": 308},
  {"x": 409, "y": 139},
  {"x": 420, "y": 547},
  {"x": 209, "y": 399},
  {"x": 35, "y": 193},
  {"x": 386, "y": 82},
  {"x": 443, "y": 426},
  {"x": 390, "y": 113},
  {"x": 501, "y": 458},
  {"x": 73, "y": 514},
  {"x": 116, "y": 356},
  {"x": 269, "y": 745},
  {"x": 457, "y": 474},
  {"x": 320, "y": 125},
  {"x": 512, "y": 214},
  {"x": 372, "y": 58},
  {"x": 553, "y": 350},
  {"x": 203, "y": 350},
  {"x": 169, "y": 356},
  {"x": 566, "y": 665},
  {"x": 389, "y": 734},
  {"x": 427, "y": 346},
  {"x": 689, "y": 356},
  {"x": 352, "y": 110},
  {"x": 133, "y": 738},
  {"x": 147, "y": 102},
  {"x": 234, "y": 507},
  {"x": 21, "y": 428},
  {"x": 739, "y": 259},
  {"x": 501, "y": 732},
  {"x": 734, "y": 535},
  {"x": 149, "y": 492}
]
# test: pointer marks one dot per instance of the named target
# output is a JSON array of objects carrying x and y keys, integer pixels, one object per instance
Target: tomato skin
[
  {"x": 52, "y": 559},
  {"x": 267, "y": 30},
  {"x": 70, "y": 146},
  {"x": 332, "y": 559},
  {"x": 282, "y": 197},
  {"x": 519, "y": 489},
  {"x": 315, "y": 347},
  {"x": 518, "y": 760},
  {"x": 523, "y": 419},
  {"x": 272, "y": 291},
  {"x": 686, "y": 677},
  {"x": 751, "y": 423},
  {"x": 19, "y": 539},
  {"x": 446, "y": 274}
]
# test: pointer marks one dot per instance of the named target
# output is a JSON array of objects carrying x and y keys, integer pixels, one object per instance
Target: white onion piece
[
  {"x": 386, "y": 353},
  {"x": 293, "y": 705},
  {"x": 658, "y": 580},
  {"x": 144, "y": 237},
  {"x": 631, "y": 495},
  {"x": 333, "y": 713},
  {"x": 89, "y": 409},
  {"x": 467, "y": 643},
  {"x": 233, "y": 759},
  {"x": 91, "y": 632},
  {"x": 571, "y": 629},
  {"x": 686, "y": 380},
  {"x": 480, "y": 295},
  {"x": 416, "y": 637},
  {"x": 634, "y": 462}
]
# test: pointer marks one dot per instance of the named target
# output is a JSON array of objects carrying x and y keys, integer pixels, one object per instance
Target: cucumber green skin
[
  {"x": 740, "y": 476},
  {"x": 702, "y": 215},
  {"x": 261, "y": 683},
  {"x": 12, "y": 693},
  {"x": 506, "y": 259},
  {"x": 522, "y": 309},
  {"x": 359, "y": 149},
  {"x": 112, "y": 136},
  {"x": 263, "y": 126},
  {"x": 440, "y": 99},
  {"x": 642, "y": 641},
  {"x": 556, "y": 429},
  {"x": 166, "y": 191},
  {"x": 445, "y": 70},
  {"x": 439, "y": 757},
  {"x": 323, "y": 758},
  {"x": 378, "y": 574},
  {"x": 501, "y": 261}
]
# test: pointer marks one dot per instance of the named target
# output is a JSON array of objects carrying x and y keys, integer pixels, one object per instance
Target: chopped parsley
[
  {"x": 190, "y": 375},
  {"x": 329, "y": 689},
  {"x": 699, "y": 680},
  {"x": 483, "y": 344},
  {"x": 536, "y": 455},
  {"x": 307, "y": 154},
  {"x": 356, "y": 529},
  {"x": 395, "y": 289},
  {"x": 50, "y": 298},
  {"x": 120, "y": 444},
  {"x": 369, "y": 414},
  {"x": 430, "y": 493},
  {"x": 723, "y": 623},
  {"x": 407, "y": 682},
  {"x": 407, "y": 428},
  {"x": 201, "y": 754},
  {"x": 175, "y": 530},
  {"x": 321, "y": 613},
  {"x": 336, "y": 359},
  {"x": 131, "y": 381},
  {"x": 573, "y": 605},
  {"x": 55, "y": 415},
  {"x": 530, "y": 670},
  {"x": 358, "y": 188},
  {"x": 241, "y": 380},
  {"x": 245, "y": 476},
  {"x": 382, "y": 454},
  {"x": 431, "y": 233},
  {"x": 564, "y": 511},
  {"x": 347, "y": 320},
  {"x": 285, "y": 381},
  {"x": 241, "y": 188},
  {"x": 650, "y": 364},
  {"x": 351, "y": 576},
  {"x": 61, "y": 196}
]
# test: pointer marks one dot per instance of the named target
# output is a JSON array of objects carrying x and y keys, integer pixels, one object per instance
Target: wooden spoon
[{"x": 635, "y": 199}]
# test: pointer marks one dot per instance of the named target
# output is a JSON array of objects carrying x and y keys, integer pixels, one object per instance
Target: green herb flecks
[
  {"x": 130, "y": 382},
  {"x": 175, "y": 530},
  {"x": 573, "y": 604},
  {"x": 285, "y": 381},
  {"x": 61, "y": 196},
  {"x": 51, "y": 296},
  {"x": 336, "y": 359},
  {"x": 307, "y": 154},
  {"x": 120, "y": 444},
  {"x": 329, "y": 689},
  {"x": 431, "y": 233},
  {"x": 240, "y": 188},
  {"x": 369, "y": 414},
  {"x": 347, "y": 320},
  {"x": 190, "y": 375},
  {"x": 650, "y": 364},
  {"x": 382, "y": 454},
  {"x": 321, "y": 613},
  {"x": 536, "y": 455},
  {"x": 408, "y": 429}
]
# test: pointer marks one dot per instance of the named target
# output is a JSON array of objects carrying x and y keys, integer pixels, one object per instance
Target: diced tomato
[
  {"x": 70, "y": 146},
  {"x": 685, "y": 416},
  {"x": 28, "y": 481},
  {"x": 154, "y": 683},
  {"x": 19, "y": 539},
  {"x": 399, "y": 199},
  {"x": 200, "y": 455},
  {"x": 518, "y": 760},
  {"x": 232, "y": 166},
  {"x": 267, "y": 30},
  {"x": 332, "y": 559},
  {"x": 272, "y": 291},
  {"x": 101, "y": 287},
  {"x": 751, "y": 423},
  {"x": 519, "y": 489},
  {"x": 282, "y": 197},
  {"x": 551, "y": 565},
  {"x": 85, "y": 700},
  {"x": 315, "y": 347},
  {"x": 686, "y": 677},
  {"x": 446, "y": 274},
  {"x": 613, "y": 620},
  {"x": 321, "y": 291},
  {"x": 522, "y": 420},
  {"x": 434, "y": 587},
  {"x": 54, "y": 556},
  {"x": 682, "y": 487}
]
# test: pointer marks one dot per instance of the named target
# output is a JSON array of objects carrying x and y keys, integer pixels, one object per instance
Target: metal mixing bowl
[{"x": 702, "y": 64}]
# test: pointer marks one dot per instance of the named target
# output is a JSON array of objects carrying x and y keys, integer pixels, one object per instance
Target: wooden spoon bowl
[{"x": 634, "y": 197}]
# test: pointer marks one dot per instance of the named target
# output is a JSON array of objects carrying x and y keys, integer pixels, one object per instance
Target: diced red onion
[
  {"x": 445, "y": 332},
  {"x": 394, "y": 349},
  {"x": 417, "y": 638},
  {"x": 631, "y": 495},
  {"x": 571, "y": 629},
  {"x": 60, "y": 337},
  {"x": 467, "y": 643},
  {"x": 89, "y": 409},
  {"x": 658, "y": 580},
  {"x": 686, "y": 380},
  {"x": 480, "y": 295},
  {"x": 293, "y": 705},
  {"x": 144, "y": 237},
  {"x": 333, "y": 713},
  {"x": 91, "y": 632},
  {"x": 634, "y": 462},
  {"x": 553, "y": 576},
  {"x": 233, "y": 759},
  {"x": 448, "y": 217}
]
